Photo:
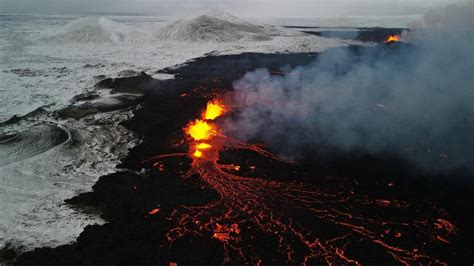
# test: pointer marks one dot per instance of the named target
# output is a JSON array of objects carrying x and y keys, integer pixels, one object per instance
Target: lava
[
  {"x": 199, "y": 130},
  {"x": 197, "y": 154},
  {"x": 203, "y": 146},
  {"x": 224, "y": 233},
  {"x": 214, "y": 109},
  {"x": 249, "y": 207},
  {"x": 392, "y": 38},
  {"x": 202, "y": 129},
  {"x": 154, "y": 211}
]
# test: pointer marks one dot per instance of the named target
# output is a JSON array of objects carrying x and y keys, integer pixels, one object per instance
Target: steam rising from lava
[
  {"x": 413, "y": 101},
  {"x": 250, "y": 206},
  {"x": 310, "y": 224}
]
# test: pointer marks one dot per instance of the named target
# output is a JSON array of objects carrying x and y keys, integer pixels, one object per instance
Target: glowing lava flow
[
  {"x": 334, "y": 223},
  {"x": 392, "y": 38}
]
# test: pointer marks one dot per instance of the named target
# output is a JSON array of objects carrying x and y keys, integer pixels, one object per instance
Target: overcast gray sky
[{"x": 255, "y": 8}]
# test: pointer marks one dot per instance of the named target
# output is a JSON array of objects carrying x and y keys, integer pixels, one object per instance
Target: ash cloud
[{"x": 415, "y": 102}]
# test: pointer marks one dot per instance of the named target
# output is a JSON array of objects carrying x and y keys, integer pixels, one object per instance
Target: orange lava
[
  {"x": 443, "y": 224},
  {"x": 214, "y": 109},
  {"x": 197, "y": 154},
  {"x": 252, "y": 204},
  {"x": 203, "y": 146},
  {"x": 203, "y": 129},
  {"x": 154, "y": 211},
  {"x": 199, "y": 130},
  {"x": 223, "y": 232},
  {"x": 392, "y": 38}
]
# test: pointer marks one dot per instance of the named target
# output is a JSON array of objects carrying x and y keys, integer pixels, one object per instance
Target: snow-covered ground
[{"x": 46, "y": 60}]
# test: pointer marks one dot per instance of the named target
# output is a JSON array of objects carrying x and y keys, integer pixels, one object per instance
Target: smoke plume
[{"x": 413, "y": 101}]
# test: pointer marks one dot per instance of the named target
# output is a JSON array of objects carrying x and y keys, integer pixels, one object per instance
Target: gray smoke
[{"x": 415, "y": 102}]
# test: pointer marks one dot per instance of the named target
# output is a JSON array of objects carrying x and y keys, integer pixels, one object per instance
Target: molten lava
[
  {"x": 199, "y": 130},
  {"x": 250, "y": 207},
  {"x": 214, "y": 109},
  {"x": 203, "y": 146},
  {"x": 154, "y": 211},
  {"x": 224, "y": 233},
  {"x": 197, "y": 154},
  {"x": 392, "y": 38},
  {"x": 202, "y": 129}
]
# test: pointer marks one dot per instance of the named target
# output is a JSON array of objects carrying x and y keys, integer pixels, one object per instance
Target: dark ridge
[
  {"x": 6, "y": 138},
  {"x": 351, "y": 28},
  {"x": 16, "y": 119},
  {"x": 135, "y": 84},
  {"x": 132, "y": 87},
  {"x": 8, "y": 254},
  {"x": 366, "y": 35}
]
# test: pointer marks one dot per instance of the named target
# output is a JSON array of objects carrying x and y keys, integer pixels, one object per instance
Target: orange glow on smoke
[
  {"x": 199, "y": 130},
  {"x": 214, "y": 109},
  {"x": 392, "y": 38}
]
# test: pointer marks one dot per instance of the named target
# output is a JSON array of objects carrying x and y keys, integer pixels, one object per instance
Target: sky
[{"x": 254, "y": 8}]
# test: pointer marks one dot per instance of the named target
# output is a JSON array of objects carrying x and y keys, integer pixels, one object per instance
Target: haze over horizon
[{"x": 257, "y": 8}]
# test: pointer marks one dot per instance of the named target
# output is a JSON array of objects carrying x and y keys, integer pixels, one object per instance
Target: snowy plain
[{"x": 47, "y": 60}]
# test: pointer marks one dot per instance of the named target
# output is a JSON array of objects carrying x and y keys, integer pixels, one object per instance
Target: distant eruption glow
[{"x": 392, "y": 38}]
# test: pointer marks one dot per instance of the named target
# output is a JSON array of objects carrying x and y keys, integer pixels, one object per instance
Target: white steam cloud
[{"x": 415, "y": 102}]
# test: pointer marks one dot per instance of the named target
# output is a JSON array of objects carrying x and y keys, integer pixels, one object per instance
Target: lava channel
[{"x": 308, "y": 224}]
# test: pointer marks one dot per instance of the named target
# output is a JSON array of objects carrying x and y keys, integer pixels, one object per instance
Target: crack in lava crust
[{"x": 334, "y": 225}]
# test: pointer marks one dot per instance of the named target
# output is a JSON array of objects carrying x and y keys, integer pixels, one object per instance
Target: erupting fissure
[
  {"x": 214, "y": 109},
  {"x": 334, "y": 223},
  {"x": 392, "y": 38},
  {"x": 200, "y": 130}
]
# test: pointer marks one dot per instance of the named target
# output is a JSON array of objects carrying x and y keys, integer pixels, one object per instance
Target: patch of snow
[{"x": 33, "y": 190}]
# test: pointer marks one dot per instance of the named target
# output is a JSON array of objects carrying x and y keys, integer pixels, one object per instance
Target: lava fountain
[
  {"x": 214, "y": 109},
  {"x": 304, "y": 224}
]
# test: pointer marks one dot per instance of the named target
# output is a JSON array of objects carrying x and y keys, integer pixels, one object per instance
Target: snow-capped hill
[
  {"x": 216, "y": 13},
  {"x": 213, "y": 27},
  {"x": 91, "y": 30}
]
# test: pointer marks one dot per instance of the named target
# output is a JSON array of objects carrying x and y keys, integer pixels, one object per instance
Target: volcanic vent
[{"x": 307, "y": 224}]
